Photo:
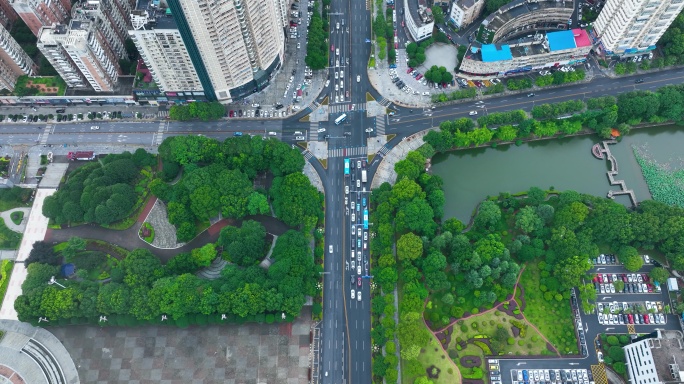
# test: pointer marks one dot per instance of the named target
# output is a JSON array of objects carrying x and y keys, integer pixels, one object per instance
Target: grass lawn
[
  {"x": 8, "y": 238},
  {"x": 531, "y": 344},
  {"x": 17, "y": 217},
  {"x": 6, "y": 267},
  {"x": 554, "y": 319},
  {"x": 470, "y": 350},
  {"x": 433, "y": 355}
]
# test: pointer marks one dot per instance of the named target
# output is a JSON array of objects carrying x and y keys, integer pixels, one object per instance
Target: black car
[
  {"x": 278, "y": 106},
  {"x": 639, "y": 81},
  {"x": 240, "y": 113},
  {"x": 60, "y": 111},
  {"x": 598, "y": 344}
]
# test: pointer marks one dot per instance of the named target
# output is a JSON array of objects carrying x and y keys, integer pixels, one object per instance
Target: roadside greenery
[
  {"x": 104, "y": 191},
  {"x": 197, "y": 110},
  {"x": 518, "y": 84},
  {"x": 6, "y": 267},
  {"x": 602, "y": 115},
  {"x": 613, "y": 352},
  {"x": 316, "y": 47},
  {"x": 416, "y": 52},
  {"x": 560, "y": 77},
  {"x": 467, "y": 93},
  {"x": 8, "y": 238}
]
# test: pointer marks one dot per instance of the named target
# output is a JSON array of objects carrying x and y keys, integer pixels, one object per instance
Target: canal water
[{"x": 472, "y": 175}]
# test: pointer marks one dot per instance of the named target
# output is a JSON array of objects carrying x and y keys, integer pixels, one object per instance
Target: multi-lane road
[{"x": 345, "y": 347}]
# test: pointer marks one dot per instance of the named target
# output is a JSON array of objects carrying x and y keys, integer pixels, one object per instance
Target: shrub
[
  {"x": 612, "y": 340},
  {"x": 511, "y": 341}
]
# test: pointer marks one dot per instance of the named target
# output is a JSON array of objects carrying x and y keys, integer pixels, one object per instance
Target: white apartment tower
[
  {"x": 465, "y": 12},
  {"x": 41, "y": 13},
  {"x": 632, "y": 26},
  {"x": 161, "y": 47},
  {"x": 235, "y": 45},
  {"x": 86, "y": 53},
  {"x": 14, "y": 62}
]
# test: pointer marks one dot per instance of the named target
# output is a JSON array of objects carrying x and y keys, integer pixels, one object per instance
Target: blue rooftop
[
  {"x": 490, "y": 53},
  {"x": 559, "y": 41}
]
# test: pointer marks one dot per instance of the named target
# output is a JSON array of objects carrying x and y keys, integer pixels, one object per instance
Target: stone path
[
  {"x": 164, "y": 232},
  {"x": 248, "y": 353},
  {"x": 6, "y": 215}
]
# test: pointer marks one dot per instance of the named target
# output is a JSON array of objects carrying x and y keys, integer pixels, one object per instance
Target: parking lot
[{"x": 543, "y": 376}]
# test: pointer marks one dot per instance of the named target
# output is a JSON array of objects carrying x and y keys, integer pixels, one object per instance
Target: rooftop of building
[
  {"x": 420, "y": 12},
  {"x": 519, "y": 8},
  {"x": 670, "y": 351},
  {"x": 467, "y": 3},
  {"x": 159, "y": 14},
  {"x": 527, "y": 46}
]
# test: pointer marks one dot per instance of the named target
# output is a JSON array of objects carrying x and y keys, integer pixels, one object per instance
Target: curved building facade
[{"x": 235, "y": 45}]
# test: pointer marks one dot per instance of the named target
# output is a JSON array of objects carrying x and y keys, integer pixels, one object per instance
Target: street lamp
[{"x": 54, "y": 281}]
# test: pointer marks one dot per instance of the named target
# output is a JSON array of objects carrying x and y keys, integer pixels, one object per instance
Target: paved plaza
[{"x": 240, "y": 354}]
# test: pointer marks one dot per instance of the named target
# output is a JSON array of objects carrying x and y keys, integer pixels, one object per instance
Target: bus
[
  {"x": 346, "y": 167},
  {"x": 340, "y": 119},
  {"x": 365, "y": 219}
]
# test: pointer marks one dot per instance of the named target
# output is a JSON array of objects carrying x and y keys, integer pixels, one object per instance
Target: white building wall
[
  {"x": 167, "y": 58},
  {"x": 640, "y": 364},
  {"x": 635, "y": 25}
]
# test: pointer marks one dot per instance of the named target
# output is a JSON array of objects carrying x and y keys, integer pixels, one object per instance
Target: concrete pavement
[{"x": 7, "y": 216}]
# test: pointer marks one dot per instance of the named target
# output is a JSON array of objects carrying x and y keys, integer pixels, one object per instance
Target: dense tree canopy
[
  {"x": 101, "y": 192},
  {"x": 245, "y": 245}
]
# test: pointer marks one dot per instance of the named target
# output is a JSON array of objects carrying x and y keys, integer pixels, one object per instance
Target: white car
[
  {"x": 353, "y": 217},
  {"x": 358, "y": 78},
  {"x": 365, "y": 236},
  {"x": 337, "y": 87},
  {"x": 426, "y": 93},
  {"x": 346, "y": 200},
  {"x": 358, "y": 296},
  {"x": 337, "y": 75},
  {"x": 353, "y": 294},
  {"x": 341, "y": 84},
  {"x": 321, "y": 130},
  {"x": 330, "y": 249},
  {"x": 272, "y": 134},
  {"x": 472, "y": 113},
  {"x": 294, "y": 108},
  {"x": 346, "y": 189},
  {"x": 358, "y": 183},
  {"x": 369, "y": 130},
  {"x": 341, "y": 74},
  {"x": 299, "y": 45},
  {"x": 255, "y": 105},
  {"x": 358, "y": 269},
  {"x": 327, "y": 82},
  {"x": 94, "y": 128}
]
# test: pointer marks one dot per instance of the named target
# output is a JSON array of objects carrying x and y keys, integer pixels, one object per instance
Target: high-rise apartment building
[
  {"x": 42, "y": 13},
  {"x": 236, "y": 45},
  {"x": 14, "y": 62},
  {"x": 161, "y": 47},
  {"x": 7, "y": 14},
  {"x": 632, "y": 26},
  {"x": 465, "y": 12},
  {"x": 86, "y": 53}
]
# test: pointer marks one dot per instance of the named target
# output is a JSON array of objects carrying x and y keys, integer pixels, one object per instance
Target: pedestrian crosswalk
[
  {"x": 384, "y": 101},
  {"x": 307, "y": 155},
  {"x": 383, "y": 151},
  {"x": 45, "y": 134},
  {"x": 163, "y": 114},
  {"x": 348, "y": 152},
  {"x": 312, "y": 107},
  {"x": 339, "y": 108},
  {"x": 368, "y": 5},
  {"x": 312, "y": 133},
  {"x": 159, "y": 136},
  {"x": 380, "y": 124}
]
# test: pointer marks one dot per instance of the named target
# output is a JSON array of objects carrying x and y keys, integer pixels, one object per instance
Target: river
[{"x": 473, "y": 174}]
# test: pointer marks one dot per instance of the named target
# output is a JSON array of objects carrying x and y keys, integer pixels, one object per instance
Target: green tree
[
  {"x": 630, "y": 258},
  {"x": 527, "y": 220},
  {"x": 295, "y": 200},
  {"x": 409, "y": 247},
  {"x": 205, "y": 255},
  {"x": 488, "y": 215},
  {"x": 658, "y": 274},
  {"x": 245, "y": 245},
  {"x": 43, "y": 252},
  {"x": 257, "y": 204},
  {"x": 74, "y": 245},
  {"x": 438, "y": 14}
]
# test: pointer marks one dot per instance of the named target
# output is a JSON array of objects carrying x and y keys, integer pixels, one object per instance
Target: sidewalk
[
  {"x": 385, "y": 172},
  {"x": 36, "y": 227}
]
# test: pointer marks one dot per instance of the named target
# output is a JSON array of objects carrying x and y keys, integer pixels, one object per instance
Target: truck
[
  {"x": 85, "y": 156},
  {"x": 364, "y": 176}
]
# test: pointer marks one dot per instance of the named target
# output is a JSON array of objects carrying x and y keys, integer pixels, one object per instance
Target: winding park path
[
  {"x": 128, "y": 238},
  {"x": 471, "y": 316}
]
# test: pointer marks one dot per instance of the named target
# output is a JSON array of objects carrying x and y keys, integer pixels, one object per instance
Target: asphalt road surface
[{"x": 346, "y": 323}]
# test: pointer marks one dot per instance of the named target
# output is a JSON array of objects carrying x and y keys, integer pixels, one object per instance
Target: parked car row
[
  {"x": 604, "y": 259},
  {"x": 541, "y": 376},
  {"x": 630, "y": 313}
]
